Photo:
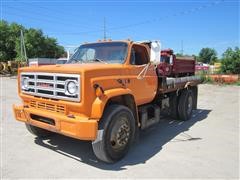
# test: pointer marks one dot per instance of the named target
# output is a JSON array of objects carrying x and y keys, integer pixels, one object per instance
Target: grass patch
[
  {"x": 205, "y": 78},
  {"x": 236, "y": 83}
]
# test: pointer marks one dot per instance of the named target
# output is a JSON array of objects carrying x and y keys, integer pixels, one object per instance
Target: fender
[{"x": 99, "y": 103}]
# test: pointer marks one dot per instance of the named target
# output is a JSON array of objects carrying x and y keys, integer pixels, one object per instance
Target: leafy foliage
[
  {"x": 9, "y": 35},
  {"x": 231, "y": 61},
  {"x": 37, "y": 45},
  {"x": 184, "y": 55},
  {"x": 207, "y": 55}
]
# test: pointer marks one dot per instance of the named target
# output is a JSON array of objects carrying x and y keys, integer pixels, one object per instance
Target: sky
[{"x": 186, "y": 25}]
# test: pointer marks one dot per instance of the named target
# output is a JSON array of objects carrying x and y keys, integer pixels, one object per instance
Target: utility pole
[
  {"x": 182, "y": 47},
  {"x": 22, "y": 46},
  {"x": 104, "y": 29}
]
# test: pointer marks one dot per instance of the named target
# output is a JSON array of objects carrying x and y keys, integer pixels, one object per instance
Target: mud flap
[{"x": 99, "y": 136}]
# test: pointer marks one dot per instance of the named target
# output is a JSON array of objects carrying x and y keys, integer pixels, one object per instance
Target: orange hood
[{"x": 71, "y": 68}]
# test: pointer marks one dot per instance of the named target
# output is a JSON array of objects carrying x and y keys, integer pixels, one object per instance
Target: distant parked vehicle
[
  {"x": 201, "y": 66},
  {"x": 61, "y": 61},
  {"x": 41, "y": 61}
]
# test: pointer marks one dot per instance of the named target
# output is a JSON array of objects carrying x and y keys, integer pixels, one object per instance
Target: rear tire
[
  {"x": 185, "y": 105},
  {"x": 115, "y": 135},
  {"x": 39, "y": 132},
  {"x": 173, "y": 101},
  {"x": 194, "y": 90}
]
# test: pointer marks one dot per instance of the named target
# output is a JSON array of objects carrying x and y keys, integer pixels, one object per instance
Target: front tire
[
  {"x": 39, "y": 132},
  {"x": 115, "y": 134}
]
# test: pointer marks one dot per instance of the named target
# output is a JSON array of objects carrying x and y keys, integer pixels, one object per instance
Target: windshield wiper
[{"x": 99, "y": 60}]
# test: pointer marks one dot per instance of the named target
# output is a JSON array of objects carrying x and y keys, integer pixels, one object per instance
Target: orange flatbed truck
[{"x": 106, "y": 93}]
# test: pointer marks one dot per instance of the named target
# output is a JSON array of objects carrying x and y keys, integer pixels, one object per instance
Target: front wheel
[{"x": 115, "y": 134}]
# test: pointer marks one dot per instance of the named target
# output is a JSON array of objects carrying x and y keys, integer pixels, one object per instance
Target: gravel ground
[{"x": 207, "y": 146}]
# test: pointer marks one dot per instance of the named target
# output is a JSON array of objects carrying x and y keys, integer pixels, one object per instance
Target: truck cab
[
  {"x": 166, "y": 62},
  {"x": 105, "y": 93},
  {"x": 172, "y": 66}
]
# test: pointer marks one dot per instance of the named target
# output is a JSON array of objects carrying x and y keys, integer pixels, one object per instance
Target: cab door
[{"x": 143, "y": 78}]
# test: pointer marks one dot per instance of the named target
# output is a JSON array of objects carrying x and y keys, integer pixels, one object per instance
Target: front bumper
[{"x": 77, "y": 127}]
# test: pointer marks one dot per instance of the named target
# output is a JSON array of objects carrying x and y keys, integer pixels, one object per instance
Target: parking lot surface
[{"x": 207, "y": 146}]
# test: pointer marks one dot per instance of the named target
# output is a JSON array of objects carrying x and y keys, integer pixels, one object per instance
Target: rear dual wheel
[
  {"x": 181, "y": 106},
  {"x": 185, "y": 105}
]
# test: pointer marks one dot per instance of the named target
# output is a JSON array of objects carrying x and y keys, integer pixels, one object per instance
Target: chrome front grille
[{"x": 50, "y": 85}]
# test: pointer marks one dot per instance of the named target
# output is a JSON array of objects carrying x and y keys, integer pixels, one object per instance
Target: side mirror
[
  {"x": 155, "y": 52},
  {"x": 171, "y": 59}
]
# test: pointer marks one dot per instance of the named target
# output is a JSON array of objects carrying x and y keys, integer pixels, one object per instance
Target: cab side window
[
  {"x": 132, "y": 61},
  {"x": 139, "y": 55}
]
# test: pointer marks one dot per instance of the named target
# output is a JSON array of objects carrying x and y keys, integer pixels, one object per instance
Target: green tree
[
  {"x": 207, "y": 55},
  {"x": 179, "y": 55},
  {"x": 4, "y": 45},
  {"x": 184, "y": 55},
  {"x": 37, "y": 44},
  {"x": 34, "y": 43},
  {"x": 194, "y": 57},
  {"x": 52, "y": 49},
  {"x": 231, "y": 61},
  {"x": 9, "y": 36},
  {"x": 14, "y": 37}
]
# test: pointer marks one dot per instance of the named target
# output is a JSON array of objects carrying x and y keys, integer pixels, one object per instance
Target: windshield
[
  {"x": 165, "y": 59},
  {"x": 106, "y": 52}
]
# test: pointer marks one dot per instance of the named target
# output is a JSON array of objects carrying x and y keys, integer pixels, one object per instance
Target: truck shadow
[{"x": 150, "y": 143}]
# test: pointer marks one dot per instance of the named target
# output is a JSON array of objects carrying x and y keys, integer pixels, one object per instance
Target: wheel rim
[
  {"x": 120, "y": 134},
  {"x": 190, "y": 104}
]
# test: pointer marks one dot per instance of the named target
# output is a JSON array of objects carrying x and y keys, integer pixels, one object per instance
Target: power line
[
  {"x": 61, "y": 33},
  {"x": 56, "y": 11},
  {"x": 49, "y": 19},
  {"x": 196, "y": 9},
  {"x": 193, "y": 10},
  {"x": 181, "y": 13},
  {"x": 102, "y": 1}
]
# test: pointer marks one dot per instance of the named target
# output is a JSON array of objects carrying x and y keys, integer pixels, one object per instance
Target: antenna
[{"x": 104, "y": 29}]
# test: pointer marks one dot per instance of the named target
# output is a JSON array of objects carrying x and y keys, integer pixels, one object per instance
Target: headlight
[
  {"x": 71, "y": 87},
  {"x": 24, "y": 83}
]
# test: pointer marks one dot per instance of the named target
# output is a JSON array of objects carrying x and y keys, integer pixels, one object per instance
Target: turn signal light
[{"x": 98, "y": 90}]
